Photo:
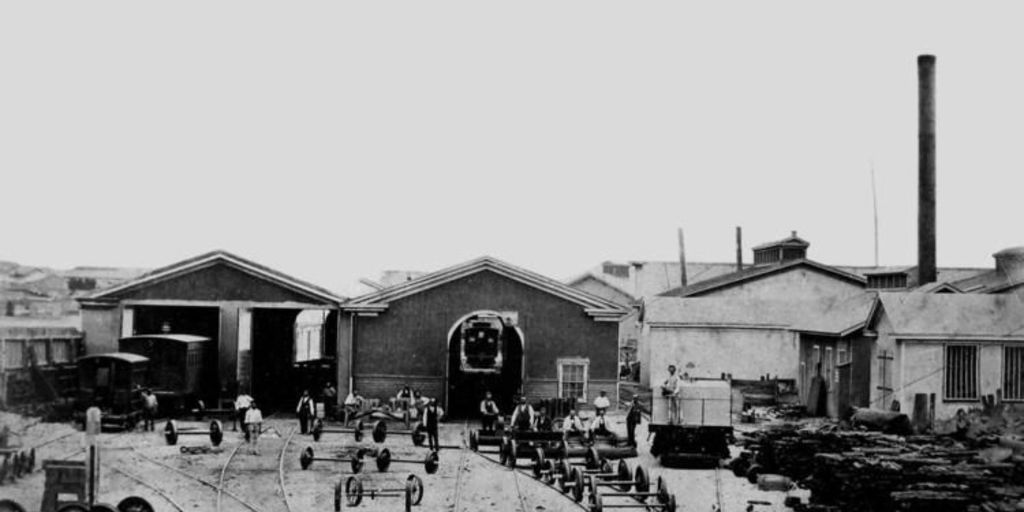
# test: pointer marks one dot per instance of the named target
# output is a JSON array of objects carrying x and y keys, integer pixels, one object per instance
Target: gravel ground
[{"x": 466, "y": 481}]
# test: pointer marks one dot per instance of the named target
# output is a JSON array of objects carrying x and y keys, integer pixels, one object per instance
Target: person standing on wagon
[{"x": 305, "y": 410}]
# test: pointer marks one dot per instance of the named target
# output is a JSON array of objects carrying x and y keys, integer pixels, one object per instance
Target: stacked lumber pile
[{"x": 869, "y": 471}]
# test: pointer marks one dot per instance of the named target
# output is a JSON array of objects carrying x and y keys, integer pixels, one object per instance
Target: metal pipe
[
  {"x": 682, "y": 260},
  {"x": 739, "y": 248}
]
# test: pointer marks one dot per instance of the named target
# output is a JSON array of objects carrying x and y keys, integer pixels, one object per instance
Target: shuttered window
[
  {"x": 961, "y": 372},
  {"x": 1013, "y": 373}
]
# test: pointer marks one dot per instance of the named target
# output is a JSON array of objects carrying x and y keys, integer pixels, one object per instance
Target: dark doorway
[
  {"x": 273, "y": 345},
  {"x": 200, "y": 321},
  {"x": 466, "y": 389}
]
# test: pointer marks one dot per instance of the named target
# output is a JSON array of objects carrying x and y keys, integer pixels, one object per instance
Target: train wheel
[{"x": 10, "y": 506}]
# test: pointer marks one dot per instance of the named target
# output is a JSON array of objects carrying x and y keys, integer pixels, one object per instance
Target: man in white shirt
[
  {"x": 670, "y": 390},
  {"x": 601, "y": 403},
  {"x": 149, "y": 408},
  {"x": 599, "y": 425},
  {"x": 242, "y": 403},
  {"x": 572, "y": 423},
  {"x": 353, "y": 404},
  {"x": 253, "y": 426}
]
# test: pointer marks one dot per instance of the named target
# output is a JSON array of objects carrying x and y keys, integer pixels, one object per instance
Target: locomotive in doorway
[{"x": 486, "y": 350}]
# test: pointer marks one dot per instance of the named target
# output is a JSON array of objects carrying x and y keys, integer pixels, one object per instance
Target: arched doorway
[{"x": 466, "y": 384}]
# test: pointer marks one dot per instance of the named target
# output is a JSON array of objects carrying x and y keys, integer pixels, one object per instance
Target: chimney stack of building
[
  {"x": 682, "y": 260},
  {"x": 926, "y": 264},
  {"x": 739, "y": 248}
]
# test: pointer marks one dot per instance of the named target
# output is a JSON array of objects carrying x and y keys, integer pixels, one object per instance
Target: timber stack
[{"x": 868, "y": 471}]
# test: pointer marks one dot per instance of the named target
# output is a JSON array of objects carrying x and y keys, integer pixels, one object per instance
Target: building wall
[
  {"x": 102, "y": 328},
  {"x": 710, "y": 351},
  {"x": 921, "y": 370},
  {"x": 798, "y": 282},
  {"x": 409, "y": 341}
]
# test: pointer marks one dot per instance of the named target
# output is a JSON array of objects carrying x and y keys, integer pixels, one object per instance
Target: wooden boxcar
[
  {"x": 111, "y": 382},
  {"x": 177, "y": 367}
]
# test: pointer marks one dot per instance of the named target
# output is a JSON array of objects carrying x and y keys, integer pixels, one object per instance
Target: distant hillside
[{"x": 41, "y": 292}]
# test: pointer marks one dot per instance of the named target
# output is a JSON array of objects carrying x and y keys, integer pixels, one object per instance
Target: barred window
[
  {"x": 1013, "y": 373},
  {"x": 15, "y": 354},
  {"x": 961, "y": 372},
  {"x": 572, "y": 378}
]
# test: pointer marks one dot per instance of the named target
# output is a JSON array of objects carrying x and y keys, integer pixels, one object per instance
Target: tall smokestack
[
  {"x": 682, "y": 259},
  {"x": 926, "y": 170},
  {"x": 739, "y": 248}
]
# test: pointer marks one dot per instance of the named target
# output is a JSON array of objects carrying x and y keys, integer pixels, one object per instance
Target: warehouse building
[
  {"x": 270, "y": 333},
  {"x": 554, "y": 340}
]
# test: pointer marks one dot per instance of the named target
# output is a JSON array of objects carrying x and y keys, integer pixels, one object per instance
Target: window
[
  {"x": 60, "y": 351},
  {"x": 842, "y": 355},
  {"x": 613, "y": 269},
  {"x": 1013, "y": 373},
  {"x": 39, "y": 352},
  {"x": 572, "y": 378},
  {"x": 15, "y": 354},
  {"x": 961, "y": 372}
]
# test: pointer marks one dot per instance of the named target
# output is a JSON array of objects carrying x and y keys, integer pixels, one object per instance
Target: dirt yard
[{"x": 142, "y": 464}]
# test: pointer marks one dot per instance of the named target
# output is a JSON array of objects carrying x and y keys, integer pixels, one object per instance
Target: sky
[{"x": 335, "y": 140}]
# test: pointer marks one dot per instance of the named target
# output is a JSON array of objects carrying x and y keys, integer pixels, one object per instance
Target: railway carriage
[
  {"x": 111, "y": 382},
  {"x": 694, "y": 426},
  {"x": 177, "y": 368}
]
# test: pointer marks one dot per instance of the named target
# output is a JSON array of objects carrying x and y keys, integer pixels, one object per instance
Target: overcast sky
[{"x": 334, "y": 140}]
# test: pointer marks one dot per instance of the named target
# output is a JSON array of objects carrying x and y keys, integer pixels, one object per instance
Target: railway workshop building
[
  {"x": 555, "y": 340},
  {"x": 265, "y": 328}
]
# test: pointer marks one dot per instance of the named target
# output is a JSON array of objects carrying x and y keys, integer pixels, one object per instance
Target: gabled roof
[
  {"x": 218, "y": 257},
  {"x": 834, "y": 317},
  {"x": 595, "y": 306},
  {"x": 951, "y": 315},
  {"x": 757, "y": 272}
]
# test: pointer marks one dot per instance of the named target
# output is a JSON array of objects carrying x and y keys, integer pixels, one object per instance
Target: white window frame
[
  {"x": 945, "y": 373},
  {"x": 1020, "y": 369},
  {"x": 575, "y": 361}
]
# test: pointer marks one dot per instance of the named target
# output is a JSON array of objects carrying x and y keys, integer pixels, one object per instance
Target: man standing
[
  {"x": 330, "y": 397},
  {"x": 149, "y": 408},
  {"x": 253, "y": 426},
  {"x": 633, "y": 418},
  {"x": 242, "y": 403},
  {"x": 601, "y": 403},
  {"x": 305, "y": 411},
  {"x": 523, "y": 417},
  {"x": 669, "y": 390},
  {"x": 488, "y": 413},
  {"x": 431, "y": 418}
]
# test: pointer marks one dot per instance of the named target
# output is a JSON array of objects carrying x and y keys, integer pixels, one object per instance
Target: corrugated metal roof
[{"x": 953, "y": 315}]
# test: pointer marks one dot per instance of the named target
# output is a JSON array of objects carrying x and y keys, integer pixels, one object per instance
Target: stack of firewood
[{"x": 865, "y": 471}]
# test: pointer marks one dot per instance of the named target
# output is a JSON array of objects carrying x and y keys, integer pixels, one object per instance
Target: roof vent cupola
[{"x": 779, "y": 251}]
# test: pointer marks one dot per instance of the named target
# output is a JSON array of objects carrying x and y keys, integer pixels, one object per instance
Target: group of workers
[{"x": 525, "y": 417}]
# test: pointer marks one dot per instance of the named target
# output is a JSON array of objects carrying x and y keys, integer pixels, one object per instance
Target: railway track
[
  {"x": 518, "y": 471},
  {"x": 150, "y": 486},
  {"x": 199, "y": 480},
  {"x": 280, "y": 469}
]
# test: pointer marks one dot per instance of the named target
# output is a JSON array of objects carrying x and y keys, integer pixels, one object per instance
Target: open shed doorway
[
  {"x": 466, "y": 383},
  {"x": 200, "y": 321},
  {"x": 291, "y": 350}
]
